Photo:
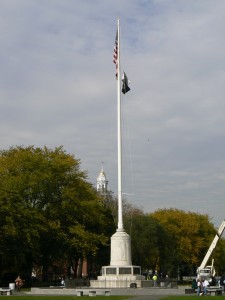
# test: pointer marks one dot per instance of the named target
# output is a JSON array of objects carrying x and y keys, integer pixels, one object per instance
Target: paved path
[
  {"x": 135, "y": 293},
  {"x": 149, "y": 297}
]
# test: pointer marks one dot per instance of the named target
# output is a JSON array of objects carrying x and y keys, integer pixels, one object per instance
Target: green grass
[
  {"x": 60, "y": 297},
  {"x": 190, "y": 297}
]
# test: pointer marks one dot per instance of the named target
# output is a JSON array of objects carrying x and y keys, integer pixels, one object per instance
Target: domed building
[{"x": 102, "y": 182}]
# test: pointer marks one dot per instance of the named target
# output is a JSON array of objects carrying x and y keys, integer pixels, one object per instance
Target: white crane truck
[{"x": 204, "y": 271}]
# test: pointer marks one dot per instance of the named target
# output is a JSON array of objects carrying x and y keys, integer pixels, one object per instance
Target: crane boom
[
  {"x": 205, "y": 271},
  {"x": 213, "y": 245}
]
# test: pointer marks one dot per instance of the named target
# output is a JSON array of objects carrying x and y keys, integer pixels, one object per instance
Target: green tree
[
  {"x": 48, "y": 209},
  {"x": 150, "y": 244},
  {"x": 192, "y": 232}
]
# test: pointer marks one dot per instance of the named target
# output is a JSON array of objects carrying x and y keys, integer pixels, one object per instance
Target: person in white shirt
[{"x": 205, "y": 285}]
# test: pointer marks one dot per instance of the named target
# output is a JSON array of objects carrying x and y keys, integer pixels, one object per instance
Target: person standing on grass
[
  {"x": 205, "y": 285},
  {"x": 19, "y": 283},
  {"x": 155, "y": 279},
  {"x": 199, "y": 287}
]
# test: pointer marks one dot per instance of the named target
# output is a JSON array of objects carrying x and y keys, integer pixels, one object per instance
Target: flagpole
[{"x": 119, "y": 136}]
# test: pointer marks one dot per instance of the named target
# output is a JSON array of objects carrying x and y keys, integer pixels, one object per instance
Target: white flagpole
[{"x": 119, "y": 136}]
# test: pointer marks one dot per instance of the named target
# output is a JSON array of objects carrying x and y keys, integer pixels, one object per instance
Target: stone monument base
[{"x": 119, "y": 277}]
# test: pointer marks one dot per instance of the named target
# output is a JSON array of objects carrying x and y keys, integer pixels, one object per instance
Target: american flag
[{"x": 115, "y": 54}]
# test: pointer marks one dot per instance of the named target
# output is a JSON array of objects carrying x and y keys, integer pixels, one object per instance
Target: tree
[
  {"x": 150, "y": 244},
  {"x": 48, "y": 209},
  {"x": 192, "y": 232}
]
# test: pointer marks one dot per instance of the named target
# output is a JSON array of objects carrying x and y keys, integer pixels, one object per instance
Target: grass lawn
[
  {"x": 60, "y": 297},
  {"x": 190, "y": 297}
]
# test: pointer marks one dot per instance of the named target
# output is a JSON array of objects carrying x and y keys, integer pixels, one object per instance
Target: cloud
[{"x": 58, "y": 87}]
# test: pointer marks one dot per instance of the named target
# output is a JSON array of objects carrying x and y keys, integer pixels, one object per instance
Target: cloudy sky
[{"x": 58, "y": 87}]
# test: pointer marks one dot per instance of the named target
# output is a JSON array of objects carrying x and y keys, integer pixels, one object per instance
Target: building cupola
[{"x": 102, "y": 181}]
